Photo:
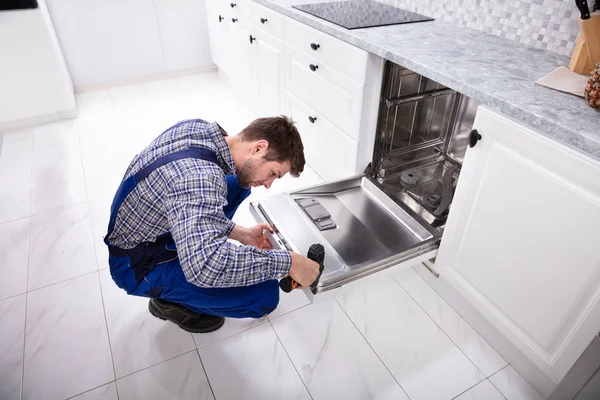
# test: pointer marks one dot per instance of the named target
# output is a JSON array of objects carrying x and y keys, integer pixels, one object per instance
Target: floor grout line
[
  {"x": 26, "y": 305},
  {"x": 206, "y": 374},
  {"x": 290, "y": 358},
  {"x": 372, "y": 349},
  {"x": 63, "y": 281},
  {"x": 155, "y": 364},
  {"x": 444, "y": 331},
  {"x": 97, "y": 387}
]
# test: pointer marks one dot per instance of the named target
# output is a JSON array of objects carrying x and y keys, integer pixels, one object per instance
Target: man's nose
[{"x": 269, "y": 182}]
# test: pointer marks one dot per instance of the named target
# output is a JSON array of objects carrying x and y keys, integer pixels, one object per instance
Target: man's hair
[{"x": 284, "y": 140}]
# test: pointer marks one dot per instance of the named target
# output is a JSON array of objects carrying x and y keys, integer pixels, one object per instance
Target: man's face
[{"x": 256, "y": 171}]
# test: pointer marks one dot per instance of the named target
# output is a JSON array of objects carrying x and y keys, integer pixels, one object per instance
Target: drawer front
[
  {"x": 332, "y": 94},
  {"x": 267, "y": 19},
  {"x": 330, "y": 152},
  {"x": 340, "y": 55}
]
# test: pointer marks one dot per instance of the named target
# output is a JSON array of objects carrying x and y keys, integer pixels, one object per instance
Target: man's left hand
[{"x": 255, "y": 236}]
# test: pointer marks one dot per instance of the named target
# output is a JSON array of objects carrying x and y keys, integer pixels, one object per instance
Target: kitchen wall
[
  {"x": 545, "y": 24},
  {"x": 34, "y": 80},
  {"x": 112, "y": 41}
]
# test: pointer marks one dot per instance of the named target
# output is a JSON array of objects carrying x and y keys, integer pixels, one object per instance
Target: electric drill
[{"x": 315, "y": 253}]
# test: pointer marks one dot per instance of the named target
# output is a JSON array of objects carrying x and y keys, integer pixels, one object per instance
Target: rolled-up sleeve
[{"x": 194, "y": 206}]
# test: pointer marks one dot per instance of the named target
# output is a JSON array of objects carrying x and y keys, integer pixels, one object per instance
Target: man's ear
[{"x": 260, "y": 146}]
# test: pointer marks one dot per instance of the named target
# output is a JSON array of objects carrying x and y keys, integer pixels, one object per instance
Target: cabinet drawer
[
  {"x": 340, "y": 55},
  {"x": 328, "y": 150},
  {"x": 334, "y": 95},
  {"x": 267, "y": 19}
]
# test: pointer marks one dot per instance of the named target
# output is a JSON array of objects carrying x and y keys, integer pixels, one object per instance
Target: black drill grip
[{"x": 315, "y": 253}]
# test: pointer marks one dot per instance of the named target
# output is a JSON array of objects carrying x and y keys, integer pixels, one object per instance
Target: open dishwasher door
[
  {"x": 395, "y": 214},
  {"x": 362, "y": 230}
]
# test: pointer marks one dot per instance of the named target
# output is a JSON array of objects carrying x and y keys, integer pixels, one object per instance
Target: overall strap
[{"x": 130, "y": 183}]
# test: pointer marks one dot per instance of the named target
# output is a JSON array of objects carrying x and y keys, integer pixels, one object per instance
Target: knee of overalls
[
  {"x": 122, "y": 273},
  {"x": 265, "y": 300}
]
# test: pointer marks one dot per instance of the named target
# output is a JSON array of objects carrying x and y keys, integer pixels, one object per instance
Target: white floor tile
[
  {"x": 138, "y": 339},
  {"x": 14, "y": 243},
  {"x": 483, "y": 391},
  {"x": 252, "y": 365},
  {"x": 199, "y": 83},
  {"x": 127, "y": 96},
  {"x": 513, "y": 386},
  {"x": 181, "y": 378},
  {"x": 106, "y": 392},
  {"x": 61, "y": 246},
  {"x": 289, "y": 302},
  {"x": 332, "y": 357},
  {"x": 231, "y": 327},
  {"x": 478, "y": 350},
  {"x": 411, "y": 345},
  {"x": 16, "y": 149},
  {"x": 12, "y": 335},
  {"x": 66, "y": 346},
  {"x": 15, "y": 196},
  {"x": 57, "y": 178},
  {"x": 93, "y": 103}
]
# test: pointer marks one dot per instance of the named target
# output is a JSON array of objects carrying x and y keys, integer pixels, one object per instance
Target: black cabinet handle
[
  {"x": 312, "y": 119},
  {"x": 221, "y": 18},
  {"x": 252, "y": 39},
  {"x": 313, "y": 67},
  {"x": 234, "y": 20},
  {"x": 263, "y": 20},
  {"x": 474, "y": 137},
  {"x": 315, "y": 46},
  {"x": 233, "y": 5}
]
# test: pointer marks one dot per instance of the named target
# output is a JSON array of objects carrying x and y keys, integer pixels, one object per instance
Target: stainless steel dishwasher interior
[{"x": 421, "y": 141}]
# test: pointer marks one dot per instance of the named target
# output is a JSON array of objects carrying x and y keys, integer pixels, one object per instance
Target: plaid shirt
[{"x": 186, "y": 198}]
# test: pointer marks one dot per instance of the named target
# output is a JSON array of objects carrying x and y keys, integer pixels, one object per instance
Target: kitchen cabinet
[
  {"x": 521, "y": 242},
  {"x": 262, "y": 55},
  {"x": 266, "y": 66},
  {"x": 217, "y": 26}
]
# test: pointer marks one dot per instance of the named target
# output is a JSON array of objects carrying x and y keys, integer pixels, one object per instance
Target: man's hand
[
  {"x": 304, "y": 270},
  {"x": 253, "y": 236}
]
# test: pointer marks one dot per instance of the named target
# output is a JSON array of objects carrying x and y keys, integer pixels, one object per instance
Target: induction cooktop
[{"x": 356, "y": 14}]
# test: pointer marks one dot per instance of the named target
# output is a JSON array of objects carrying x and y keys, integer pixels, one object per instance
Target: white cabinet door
[
  {"x": 522, "y": 241},
  {"x": 240, "y": 65},
  {"x": 217, "y": 31},
  {"x": 267, "y": 60}
]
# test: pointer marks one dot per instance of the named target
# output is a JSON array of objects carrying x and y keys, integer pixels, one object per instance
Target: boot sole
[{"x": 208, "y": 329}]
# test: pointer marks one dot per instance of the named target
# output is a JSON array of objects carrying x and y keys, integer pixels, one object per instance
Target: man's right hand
[{"x": 303, "y": 270}]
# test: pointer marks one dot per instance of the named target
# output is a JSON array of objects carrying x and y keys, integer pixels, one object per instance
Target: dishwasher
[{"x": 394, "y": 213}]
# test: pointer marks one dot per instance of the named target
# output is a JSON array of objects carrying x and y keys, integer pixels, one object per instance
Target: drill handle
[{"x": 316, "y": 252}]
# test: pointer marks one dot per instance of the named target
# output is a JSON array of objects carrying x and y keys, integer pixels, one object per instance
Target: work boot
[{"x": 185, "y": 318}]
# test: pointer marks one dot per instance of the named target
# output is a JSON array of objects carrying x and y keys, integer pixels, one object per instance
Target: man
[{"x": 171, "y": 217}]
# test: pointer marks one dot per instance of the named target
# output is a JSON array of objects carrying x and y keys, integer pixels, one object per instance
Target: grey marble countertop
[{"x": 496, "y": 72}]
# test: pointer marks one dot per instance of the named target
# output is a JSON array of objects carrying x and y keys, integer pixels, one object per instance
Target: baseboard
[
  {"x": 38, "y": 120},
  {"x": 145, "y": 79},
  {"x": 526, "y": 368}
]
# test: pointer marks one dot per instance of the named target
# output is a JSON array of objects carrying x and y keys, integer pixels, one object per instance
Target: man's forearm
[{"x": 239, "y": 233}]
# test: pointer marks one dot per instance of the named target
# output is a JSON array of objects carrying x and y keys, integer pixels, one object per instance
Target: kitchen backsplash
[{"x": 545, "y": 24}]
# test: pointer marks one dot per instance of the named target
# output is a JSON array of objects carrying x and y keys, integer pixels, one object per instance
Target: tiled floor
[{"x": 66, "y": 330}]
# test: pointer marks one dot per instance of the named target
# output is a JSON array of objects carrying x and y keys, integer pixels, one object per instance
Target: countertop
[{"x": 494, "y": 71}]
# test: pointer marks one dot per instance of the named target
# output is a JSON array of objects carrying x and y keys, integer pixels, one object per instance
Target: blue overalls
[{"x": 152, "y": 269}]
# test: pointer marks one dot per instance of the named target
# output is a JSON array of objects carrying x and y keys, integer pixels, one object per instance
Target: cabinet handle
[
  {"x": 234, "y": 20},
  {"x": 474, "y": 137},
  {"x": 263, "y": 20},
  {"x": 312, "y": 119},
  {"x": 313, "y": 67},
  {"x": 233, "y": 5},
  {"x": 315, "y": 46},
  {"x": 252, "y": 39},
  {"x": 221, "y": 18}
]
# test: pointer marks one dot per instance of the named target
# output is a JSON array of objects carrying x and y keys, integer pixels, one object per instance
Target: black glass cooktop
[{"x": 356, "y": 14}]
